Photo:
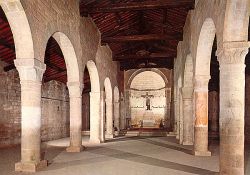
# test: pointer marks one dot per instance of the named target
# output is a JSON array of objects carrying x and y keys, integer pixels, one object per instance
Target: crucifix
[{"x": 147, "y": 100}]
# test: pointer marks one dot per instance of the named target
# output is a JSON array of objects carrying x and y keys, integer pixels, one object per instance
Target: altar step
[{"x": 146, "y": 133}]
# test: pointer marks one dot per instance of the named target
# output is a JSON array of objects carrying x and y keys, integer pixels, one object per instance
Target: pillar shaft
[
  {"x": 201, "y": 116},
  {"x": 180, "y": 117},
  {"x": 95, "y": 116},
  {"x": 31, "y": 121},
  {"x": 232, "y": 93},
  {"x": 30, "y": 72},
  {"x": 177, "y": 115},
  {"x": 109, "y": 119},
  {"x": 187, "y": 94},
  {"x": 75, "y": 98},
  {"x": 117, "y": 115},
  {"x": 102, "y": 121},
  {"x": 122, "y": 114}
]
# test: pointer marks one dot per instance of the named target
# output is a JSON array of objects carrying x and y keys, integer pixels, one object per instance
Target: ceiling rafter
[{"x": 145, "y": 5}]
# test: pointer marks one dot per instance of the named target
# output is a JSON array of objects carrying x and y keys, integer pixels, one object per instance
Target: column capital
[
  {"x": 30, "y": 69},
  {"x": 201, "y": 82},
  {"x": 75, "y": 89},
  {"x": 233, "y": 52}
]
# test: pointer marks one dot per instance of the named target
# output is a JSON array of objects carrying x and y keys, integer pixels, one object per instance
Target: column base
[
  {"x": 117, "y": 133},
  {"x": 30, "y": 166},
  {"x": 95, "y": 141},
  {"x": 75, "y": 149},
  {"x": 172, "y": 134},
  {"x": 202, "y": 153},
  {"x": 187, "y": 143},
  {"x": 109, "y": 136}
]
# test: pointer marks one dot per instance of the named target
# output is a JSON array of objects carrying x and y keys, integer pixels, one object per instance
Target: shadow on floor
[
  {"x": 150, "y": 161},
  {"x": 177, "y": 148},
  {"x": 108, "y": 154}
]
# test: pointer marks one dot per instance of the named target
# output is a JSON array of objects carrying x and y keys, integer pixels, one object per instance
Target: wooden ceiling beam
[
  {"x": 135, "y": 6},
  {"x": 159, "y": 63},
  {"x": 9, "y": 67},
  {"x": 144, "y": 57},
  {"x": 55, "y": 76},
  {"x": 133, "y": 38},
  {"x": 6, "y": 45}
]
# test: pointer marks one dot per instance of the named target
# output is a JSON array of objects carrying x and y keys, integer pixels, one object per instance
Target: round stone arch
[
  {"x": 20, "y": 28},
  {"x": 109, "y": 108},
  {"x": 116, "y": 94},
  {"x": 128, "y": 85},
  {"x": 201, "y": 78},
  {"x": 74, "y": 83},
  {"x": 96, "y": 134},
  {"x": 188, "y": 72},
  {"x": 72, "y": 65},
  {"x": 94, "y": 76},
  {"x": 204, "y": 49},
  {"x": 108, "y": 89}
]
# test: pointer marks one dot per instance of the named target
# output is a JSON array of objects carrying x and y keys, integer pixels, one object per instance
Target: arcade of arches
[{"x": 125, "y": 87}]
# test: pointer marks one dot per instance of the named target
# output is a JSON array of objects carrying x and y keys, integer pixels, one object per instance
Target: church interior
[{"x": 138, "y": 87}]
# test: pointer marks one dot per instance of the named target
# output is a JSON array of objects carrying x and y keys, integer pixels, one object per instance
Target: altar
[{"x": 148, "y": 124}]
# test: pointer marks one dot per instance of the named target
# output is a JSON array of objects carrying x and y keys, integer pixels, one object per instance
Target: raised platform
[{"x": 147, "y": 132}]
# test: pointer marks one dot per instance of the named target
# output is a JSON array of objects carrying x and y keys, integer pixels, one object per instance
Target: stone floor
[{"x": 122, "y": 156}]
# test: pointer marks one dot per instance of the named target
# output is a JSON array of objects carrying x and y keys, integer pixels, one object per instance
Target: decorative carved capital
[
  {"x": 30, "y": 69},
  {"x": 75, "y": 89},
  {"x": 233, "y": 53}
]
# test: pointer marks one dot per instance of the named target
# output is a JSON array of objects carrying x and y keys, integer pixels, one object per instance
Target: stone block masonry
[{"x": 55, "y": 109}]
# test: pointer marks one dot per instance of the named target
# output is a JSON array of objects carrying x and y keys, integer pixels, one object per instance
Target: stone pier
[
  {"x": 75, "y": 91},
  {"x": 31, "y": 73},
  {"x": 232, "y": 99},
  {"x": 201, "y": 116}
]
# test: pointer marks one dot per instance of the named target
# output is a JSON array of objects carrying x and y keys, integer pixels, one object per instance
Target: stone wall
[
  {"x": 213, "y": 113},
  {"x": 10, "y": 111},
  {"x": 55, "y": 109},
  {"x": 93, "y": 50},
  {"x": 85, "y": 112}
]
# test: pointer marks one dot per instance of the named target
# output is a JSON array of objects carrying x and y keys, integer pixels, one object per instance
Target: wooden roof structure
[{"x": 140, "y": 33}]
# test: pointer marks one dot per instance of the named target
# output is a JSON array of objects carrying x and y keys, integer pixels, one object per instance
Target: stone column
[
  {"x": 102, "y": 121},
  {"x": 95, "y": 117},
  {"x": 122, "y": 114},
  {"x": 201, "y": 116},
  {"x": 117, "y": 115},
  {"x": 109, "y": 119},
  {"x": 232, "y": 96},
  {"x": 180, "y": 117},
  {"x": 177, "y": 114},
  {"x": 75, "y": 99},
  {"x": 187, "y": 96},
  {"x": 31, "y": 73}
]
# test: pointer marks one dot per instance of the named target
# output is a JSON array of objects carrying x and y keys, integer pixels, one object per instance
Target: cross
[{"x": 147, "y": 100}]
